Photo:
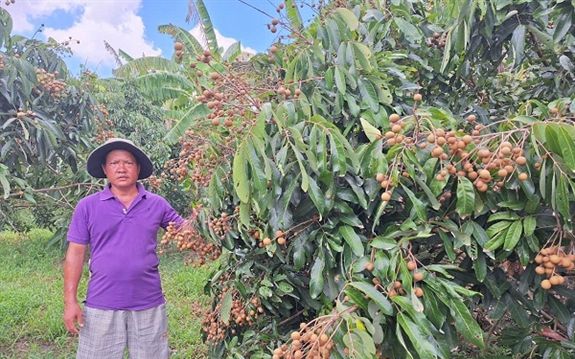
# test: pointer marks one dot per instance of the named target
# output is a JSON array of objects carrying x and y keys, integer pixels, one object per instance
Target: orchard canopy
[{"x": 392, "y": 179}]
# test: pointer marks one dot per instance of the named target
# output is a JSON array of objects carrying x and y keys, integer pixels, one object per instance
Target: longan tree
[
  {"x": 392, "y": 180},
  {"x": 47, "y": 119}
]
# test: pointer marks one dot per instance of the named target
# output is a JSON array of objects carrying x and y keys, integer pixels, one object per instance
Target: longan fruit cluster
[
  {"x": 311, "y": 341},
  {"x": 394, "y": 136},
  {"x": 194, "y": 155},
  {"x": 486, "y": 160},
  {"x": 241, "y": 315},
  {"x": 220, "y": 225},
  {"x": 103, "y": 133},
  {"x": 188, "y": 239},
  {"x": 417, "y": 276},
  {"x": 55, "y": 87},
  {"x": 549, "y": 259},
  {"x": 280, "y": 238},
  {"x": 386, "y": 184},
  {"x": 28, "y": 113},
  {"x": 287, "y": 93},
  {"x": 154, "y": 182},
  {"x": 437, "y": 40}
]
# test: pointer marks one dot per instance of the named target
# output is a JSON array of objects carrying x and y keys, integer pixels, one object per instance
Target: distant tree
[{"x": 47, "y": 119}]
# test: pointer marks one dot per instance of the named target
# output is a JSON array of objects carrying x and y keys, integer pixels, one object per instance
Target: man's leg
[
  {"x": 104, "y": 334},
  {"x": 148, "y": 333}
]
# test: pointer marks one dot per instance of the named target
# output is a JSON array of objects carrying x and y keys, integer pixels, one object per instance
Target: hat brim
[{"x": 98, "y": 157}]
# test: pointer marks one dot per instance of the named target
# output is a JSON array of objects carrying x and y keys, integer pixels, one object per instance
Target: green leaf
[
  {"x": 411, "y": 33},
  {"x": 430, "y": 196},
  {"x": 368, "y": 94},
  {"x": 348, "y": 17},
  {"x": 498, "y": 239},
  {"x": 317, "y": 277},
  {"x": 293, "y": 15},
  {"x": 372, "y": 133},
  {"x": 558, "y": 309},
  {"x": 518, "y": 43},
  {"x": 419, "y": 207},
  {"x": 503, "y": 216},
  {"x": 465, "y": 324},
  {"x": 208, "y": 29},
  {"x": 374, "y": 295},
  {"x": 186, "y": 121},
  {"x": 303, "y": 172},
  {"x": 352, "y": 239},
  {"x": 232, "y": 52},
  {"x": 513, "y": 235},
  {"x": 567, "y": 147},
  {"x": 4, "y": 180},
  {"x": 339, "y": 80},
  {"x": 529, "y": 225},
  {"x": 317, "y": 196},
  {"x": 465, "y": 197},
  {"x": 562, "y": 199},
  {"x": 419, "y": 341},
  {"x": 552, "y": 140},
  {"x": 384, "y": 243},
  {"x": 240, "y": 173},
  {"x": 226, "y": 306},
  {"x": 542, "y": 37}
]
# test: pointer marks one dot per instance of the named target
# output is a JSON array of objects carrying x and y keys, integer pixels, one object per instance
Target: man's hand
[{"x": 73, "y": 313}]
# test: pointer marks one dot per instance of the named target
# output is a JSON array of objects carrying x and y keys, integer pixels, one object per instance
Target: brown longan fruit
[
  {"x": 545, "y": 284},
  {"x": 554, "y": 258},
  {"x": 418, "y": 276},
  {"x": 521, "y": 160},
  {"x": 393, "y": 118},
  {"x": 523, "y": 176},
  {"x": 380, "y": 177},
  {"x": 418, "y": 292},
  {"x": 385, "y": 196},
  {"x": 369, "y": 266},
  {"x": 540, "y": 270},
  {"x": 411, "y": 265},
  {"x": 555, "y": 280}
]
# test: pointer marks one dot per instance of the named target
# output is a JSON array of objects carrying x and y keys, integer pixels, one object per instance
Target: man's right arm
[{"x": 73, "y": 267}]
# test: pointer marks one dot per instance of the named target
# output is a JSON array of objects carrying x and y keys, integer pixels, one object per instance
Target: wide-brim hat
[{"x": 98, "y": 157}]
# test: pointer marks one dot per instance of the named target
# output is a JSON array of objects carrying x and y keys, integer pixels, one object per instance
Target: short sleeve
[
  {"x": 78, "y": 230},
  {"x": 170, "y": 215}
]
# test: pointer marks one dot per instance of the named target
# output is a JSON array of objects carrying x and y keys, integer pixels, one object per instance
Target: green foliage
[
  {"x": 393, "y": 224},
  {"x": 46, "y": 121}
]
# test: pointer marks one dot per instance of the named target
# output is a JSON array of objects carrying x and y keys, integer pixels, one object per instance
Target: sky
[{"x": 132, "y": 26}]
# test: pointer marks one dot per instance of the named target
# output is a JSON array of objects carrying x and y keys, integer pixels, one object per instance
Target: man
[{"x": 125, "y": 306}]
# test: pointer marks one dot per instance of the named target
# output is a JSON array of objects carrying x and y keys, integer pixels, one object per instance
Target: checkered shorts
[{"x": 107, "y": 333}]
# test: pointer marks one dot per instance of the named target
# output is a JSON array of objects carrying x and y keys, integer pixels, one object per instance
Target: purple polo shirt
[{"x": 123, "y": 260}]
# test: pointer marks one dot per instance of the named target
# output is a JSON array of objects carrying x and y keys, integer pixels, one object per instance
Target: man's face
[{"x": 121, "y": 168}]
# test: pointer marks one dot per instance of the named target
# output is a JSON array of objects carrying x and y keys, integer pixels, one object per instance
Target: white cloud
[
  {"x": 116, "y": 22},
  {"x": 222, "y": 40}
]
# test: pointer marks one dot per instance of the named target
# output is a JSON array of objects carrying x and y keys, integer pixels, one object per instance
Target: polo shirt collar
[{"x": 106, "y": 193}]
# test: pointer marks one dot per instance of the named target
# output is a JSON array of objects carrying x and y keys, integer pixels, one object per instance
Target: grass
[{"x": 31, "y": 305}]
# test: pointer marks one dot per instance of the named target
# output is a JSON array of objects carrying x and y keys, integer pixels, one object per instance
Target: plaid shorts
[{"x": 107, "y": 333}]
